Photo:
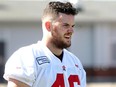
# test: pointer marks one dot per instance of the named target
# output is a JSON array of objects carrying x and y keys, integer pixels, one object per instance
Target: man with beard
[{"x": 47, "y": 63}]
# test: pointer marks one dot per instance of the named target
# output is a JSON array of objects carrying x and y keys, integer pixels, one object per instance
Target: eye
[
  {"x": 73, "y": 26},
  {"x": 66, "y": 25}
]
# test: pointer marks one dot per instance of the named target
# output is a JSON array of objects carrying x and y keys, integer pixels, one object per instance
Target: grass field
[{"x": 88, "y": 85}]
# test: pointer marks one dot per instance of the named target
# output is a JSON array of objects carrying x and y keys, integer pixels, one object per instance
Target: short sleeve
[
  {"x": 20, "y": 66},
  {"x": 83, "y": 74},
  {"x": 83, "y": 78}
]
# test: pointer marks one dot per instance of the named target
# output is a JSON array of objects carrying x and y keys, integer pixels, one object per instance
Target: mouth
[{"x": 68, "y": 37}]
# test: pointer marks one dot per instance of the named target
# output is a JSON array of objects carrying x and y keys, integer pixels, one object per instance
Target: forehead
[{"x": 64, "y": 18}]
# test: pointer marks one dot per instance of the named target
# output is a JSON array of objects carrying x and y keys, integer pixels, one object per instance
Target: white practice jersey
[{"x": 37, "y": 66}]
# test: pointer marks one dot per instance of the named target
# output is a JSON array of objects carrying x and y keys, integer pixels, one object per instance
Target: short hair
[{"x": 54, "y": 8}]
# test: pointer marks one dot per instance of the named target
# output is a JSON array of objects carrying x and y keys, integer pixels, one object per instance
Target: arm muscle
[{"x": 16, "y": 83}]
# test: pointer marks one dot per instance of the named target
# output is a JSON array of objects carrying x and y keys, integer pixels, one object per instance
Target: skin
[
  {"x": 58, "y": 36},
  {"x": 16, "y": 83},
  {"x": 60, "y": 33}
]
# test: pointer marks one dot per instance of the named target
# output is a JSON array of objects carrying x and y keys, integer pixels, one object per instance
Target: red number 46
[{"x": 60, "y": 80}]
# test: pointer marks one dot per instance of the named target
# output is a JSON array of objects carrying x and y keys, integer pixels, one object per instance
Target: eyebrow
[{"x": 68, "y": 24}]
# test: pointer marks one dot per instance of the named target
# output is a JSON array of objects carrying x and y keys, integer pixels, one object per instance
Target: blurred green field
[{"x": 88, "y": 85}]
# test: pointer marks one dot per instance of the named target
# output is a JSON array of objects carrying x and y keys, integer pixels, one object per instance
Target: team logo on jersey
[
  {"x": 77, "y": 66},
  {"x": 42, "y": 60},
  {"x": 64, "y": 68}
]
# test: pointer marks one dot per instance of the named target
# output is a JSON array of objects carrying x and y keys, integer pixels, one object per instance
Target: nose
[{"x": 71, "y": 30}]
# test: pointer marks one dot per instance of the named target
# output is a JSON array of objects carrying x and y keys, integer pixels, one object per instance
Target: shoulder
[
  {"x": 28, "y": 50},
  {"x": 21, "y": 65},
  {"x": 73, "y": 58},
  {"x": 70, "y": 54},
  {"x": 23, "y": 54}
]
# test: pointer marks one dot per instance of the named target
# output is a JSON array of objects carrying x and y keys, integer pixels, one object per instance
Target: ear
[{"x": 47, "y": 25}]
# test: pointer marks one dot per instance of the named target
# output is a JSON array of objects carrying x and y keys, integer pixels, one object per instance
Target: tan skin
[
  {"x": 61, "y": 29},
  {"x": 16, "y": 83}
]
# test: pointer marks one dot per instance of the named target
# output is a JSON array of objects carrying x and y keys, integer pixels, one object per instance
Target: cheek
[
  {"x": 57, "y": 32},
  {"x": 54, "y": 33}
]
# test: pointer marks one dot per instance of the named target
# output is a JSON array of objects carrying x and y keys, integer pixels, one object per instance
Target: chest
[{"x": 58, "y": 74}]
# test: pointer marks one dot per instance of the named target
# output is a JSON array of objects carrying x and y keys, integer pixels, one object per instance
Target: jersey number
[{"x": 60, "y": 80}]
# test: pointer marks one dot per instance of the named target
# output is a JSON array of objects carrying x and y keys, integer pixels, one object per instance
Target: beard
[{"x": 59, "y": 43}]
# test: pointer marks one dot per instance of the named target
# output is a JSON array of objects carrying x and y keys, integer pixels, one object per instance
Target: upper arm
[
  {"x": 19, "y": 69},
  {"x": 16, "y": 83}
]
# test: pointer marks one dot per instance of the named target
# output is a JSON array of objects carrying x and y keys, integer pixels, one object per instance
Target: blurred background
[{"x": 94, "y": 40}]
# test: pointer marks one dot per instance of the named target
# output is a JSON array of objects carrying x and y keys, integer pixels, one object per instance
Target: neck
[{"x": 52, "y": 47}]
